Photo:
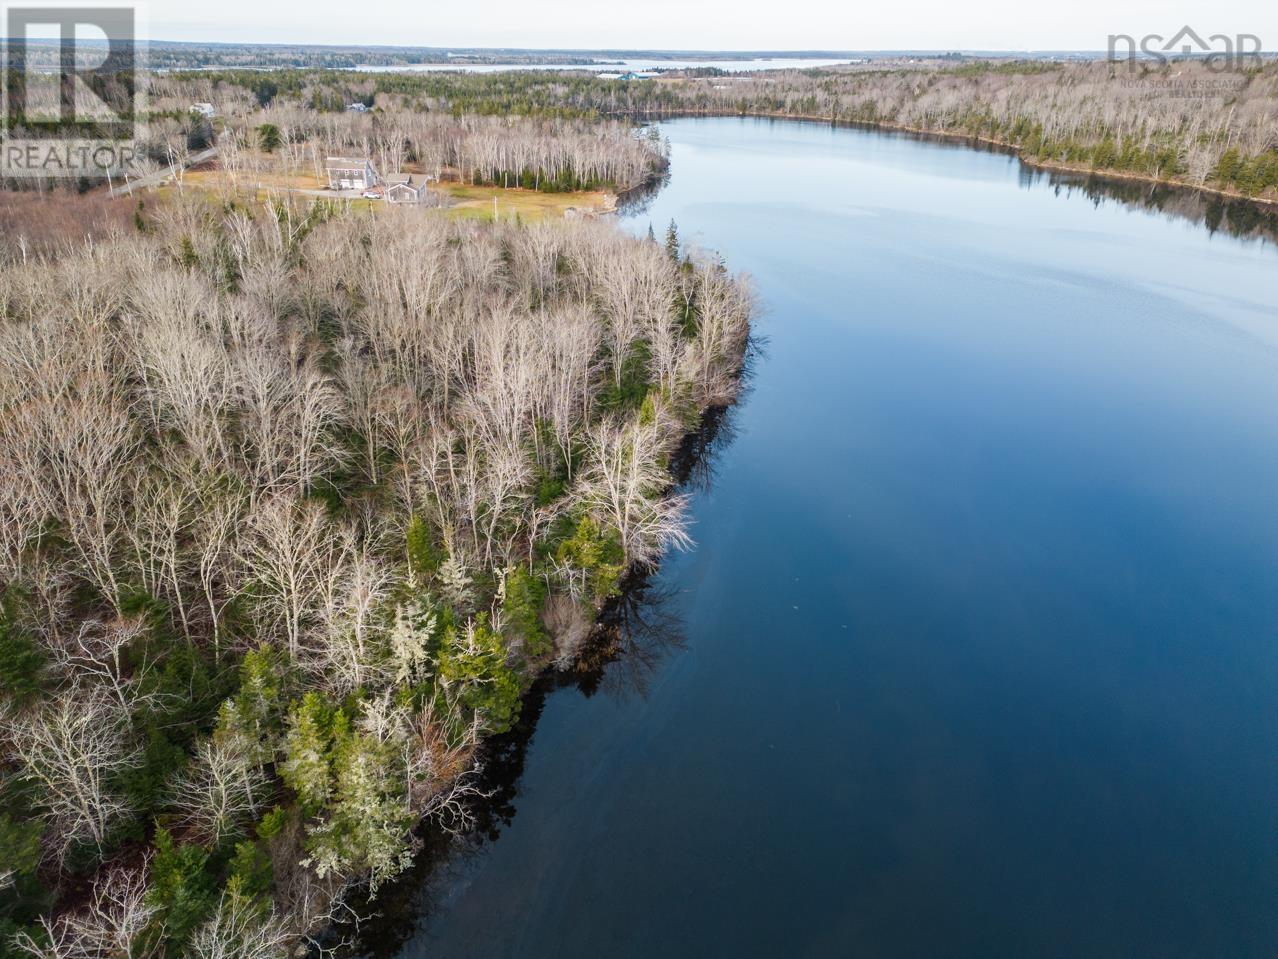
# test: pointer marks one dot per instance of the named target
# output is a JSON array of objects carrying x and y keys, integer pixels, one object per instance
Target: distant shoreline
[{"x": 957, "y": 136}]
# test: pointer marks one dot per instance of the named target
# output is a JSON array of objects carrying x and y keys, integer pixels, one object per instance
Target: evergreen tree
[
  {"x": 472, "y": 665},
  {"x": 21, "y": 658},
  {"x": 411, "y": 639},
  {"x": 525, "y": 597},
  {"x": 268, "y": 137},
  {"x": 369, "y": 818},
  {"x": 182, "y": 890},
  {"x": 313, "y": 726},
  {"x": 455, "y": 584}
]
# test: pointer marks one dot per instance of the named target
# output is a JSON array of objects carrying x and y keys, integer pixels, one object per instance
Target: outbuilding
[{"x": 402, "y": 188}]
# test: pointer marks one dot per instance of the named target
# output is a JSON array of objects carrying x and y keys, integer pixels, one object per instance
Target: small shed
[{"x": 350, "y": 173}]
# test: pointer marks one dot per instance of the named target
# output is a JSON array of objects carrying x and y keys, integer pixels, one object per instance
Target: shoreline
[
  {"x": 1012, "y": 149},
  {"x": 494, "y": 763},
  {"x": 388, "y": 744},
  {"x": 501, "y": 756}
]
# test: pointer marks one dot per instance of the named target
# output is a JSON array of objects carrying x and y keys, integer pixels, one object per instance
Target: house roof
[{"x": 343, "y": 163}]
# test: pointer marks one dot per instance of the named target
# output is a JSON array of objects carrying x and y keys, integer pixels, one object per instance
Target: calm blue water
[{"x": 981, "y": 631}]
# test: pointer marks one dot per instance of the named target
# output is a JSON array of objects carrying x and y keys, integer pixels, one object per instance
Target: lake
[{"x": 977, "y": 652}]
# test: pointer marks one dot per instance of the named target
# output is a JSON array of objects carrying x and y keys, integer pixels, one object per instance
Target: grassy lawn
[
  {"x": 212, "y": 178},
  {"x": 302, "y": 181},
  {"x": 468, "y": 202},
  {"x": 209, "y": 189},
  {"x": 476, "y": 202}
]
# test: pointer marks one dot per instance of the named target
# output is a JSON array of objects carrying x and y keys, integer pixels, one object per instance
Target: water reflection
[
  {"x": 638, "y": 200},
  {"x": 1234, "y": 217},
  {"x": 635, "y": 634}
]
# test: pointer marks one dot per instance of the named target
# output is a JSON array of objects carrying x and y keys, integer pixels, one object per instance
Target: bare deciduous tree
[
  {"x": 241, "y": 929},
  {"x": 623, "y": 485},
  {"x": 71, "y": 747},
  {"x": 222, "y": 789},
  {"x": 110, "y": 926},
  {"x": 291, "y": 553}
]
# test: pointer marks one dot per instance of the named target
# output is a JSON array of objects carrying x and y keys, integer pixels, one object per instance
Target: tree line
[
  {"x": 1183, "y": 121},
  {"x": 293, "y": 506},
  {"x": 1186, "y": 121},
  {"x": 542, "y": 153}
]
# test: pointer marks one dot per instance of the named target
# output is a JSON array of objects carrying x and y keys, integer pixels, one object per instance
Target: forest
[
  {"x": 294, "y": 505},
  {"x": 260, "y": 132},
  {"x": 549, "y": 155},
  {"x": 1183, "y": 121}
]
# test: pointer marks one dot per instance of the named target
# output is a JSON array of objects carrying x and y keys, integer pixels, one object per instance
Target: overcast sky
[{"x": 709, "y": 24}]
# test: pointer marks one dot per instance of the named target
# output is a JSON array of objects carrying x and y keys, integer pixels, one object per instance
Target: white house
[
  {"x": 204, "y": 109},
  {"x": 357, "y": 107}
]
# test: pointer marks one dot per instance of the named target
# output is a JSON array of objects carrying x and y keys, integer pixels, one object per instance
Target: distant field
[
  {"x": 212, "y": 177},
  {"x": 477, "y": 202},
  {"x": 467, "y": 202}
]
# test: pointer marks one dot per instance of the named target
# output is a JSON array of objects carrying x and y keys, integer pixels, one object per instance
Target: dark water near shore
[{"x": 977, "y": 654}]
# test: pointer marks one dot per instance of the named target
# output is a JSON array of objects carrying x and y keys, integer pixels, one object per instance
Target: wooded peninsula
[{"x": 294, "y": 505}]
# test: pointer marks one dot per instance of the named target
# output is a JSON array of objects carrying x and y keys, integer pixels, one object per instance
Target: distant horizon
[
  {"x": 707, "y": 25},
  {"x": 655, "y": 52},
  {"x": 619, "y": 51}
]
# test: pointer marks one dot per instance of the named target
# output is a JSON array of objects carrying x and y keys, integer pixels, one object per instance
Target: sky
[{"x": 709, "y": 24}]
